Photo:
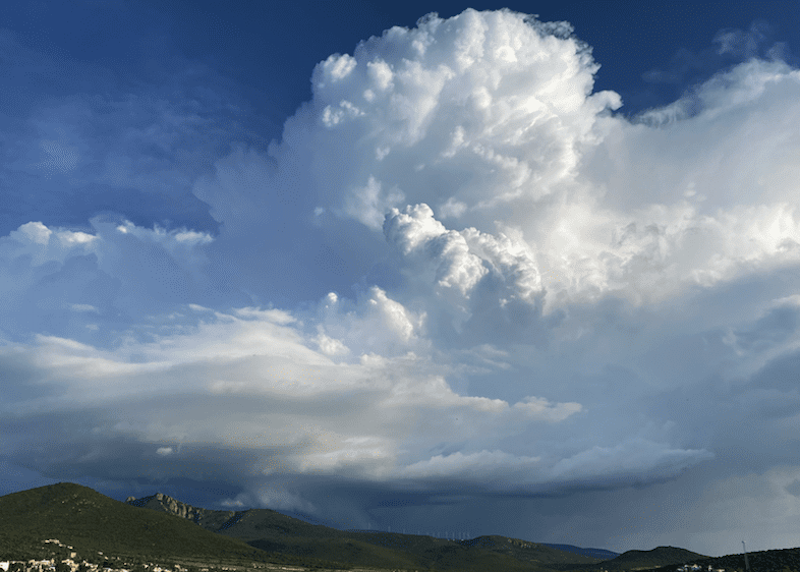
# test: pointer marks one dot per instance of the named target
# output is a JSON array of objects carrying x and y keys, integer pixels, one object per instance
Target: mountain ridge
[
  {"x": 657, "y": 557},
  {"x": 266, "y": 528},
  {"x": 206, "y": 519},
  {"x": 593, "y": 552},
  {"x": 93, "y": 523},
  {"x": 271, "y": 530},
  {"x": 209, "y": 519}
]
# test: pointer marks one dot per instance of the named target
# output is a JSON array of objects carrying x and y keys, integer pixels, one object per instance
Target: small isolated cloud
[
  {"x": 743, "y": 44},
  {"x": 59, "y": 157},
  {"x": 84, "y": 308},
  {"x": 164, "y": 451}
]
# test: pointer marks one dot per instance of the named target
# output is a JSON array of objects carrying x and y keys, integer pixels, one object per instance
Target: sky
[{"x": 525, "y": 268}]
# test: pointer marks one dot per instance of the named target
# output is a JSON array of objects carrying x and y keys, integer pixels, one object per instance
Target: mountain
[
  {"x": 89, "y": 521},
  {"x": 592, "y": 552},
  {"x": 163, "y": 530},
  {"x": 95, "y": 526},
  {"x": 273, "y": 531},
  {"x": 251, "y": 524},
  {"x": 643, "y": 559},
  {"x": 212, "y": 520}
]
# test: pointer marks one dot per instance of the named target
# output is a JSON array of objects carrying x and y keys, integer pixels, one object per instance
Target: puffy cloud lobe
[
  {"x": 484, "y": 284},
  {"x": 673, "y": 248},
  {"x": 373, "y": 324},
  {"x": 728, "y": 209},
  {"x": 744, "y": 45},
  {"x": 40, "y": 244},
  {"x": 417, "y": 231}
]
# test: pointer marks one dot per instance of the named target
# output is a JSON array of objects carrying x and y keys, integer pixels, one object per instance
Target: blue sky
[{"x": 471, "y": 273}]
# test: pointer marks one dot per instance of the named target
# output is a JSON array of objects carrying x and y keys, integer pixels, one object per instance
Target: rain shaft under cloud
[{"x": 458, "y": 277}]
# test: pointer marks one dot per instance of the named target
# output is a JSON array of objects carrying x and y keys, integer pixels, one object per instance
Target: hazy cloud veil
[{"x": 458, "y": 275}]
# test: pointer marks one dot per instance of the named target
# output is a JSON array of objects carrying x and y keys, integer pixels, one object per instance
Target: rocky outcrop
[{"x": 208, "y": 519}]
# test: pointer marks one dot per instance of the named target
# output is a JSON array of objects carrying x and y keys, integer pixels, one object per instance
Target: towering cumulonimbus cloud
[
  {"x": 476, "y": 116},
  {"x": 457, "y": 270}
]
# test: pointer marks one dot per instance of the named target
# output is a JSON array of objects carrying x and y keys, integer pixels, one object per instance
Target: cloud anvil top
[{"x": 460, "y": 285}]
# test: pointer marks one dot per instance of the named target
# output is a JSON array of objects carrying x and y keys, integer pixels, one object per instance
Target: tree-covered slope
[{"x": 91, "y": 522}]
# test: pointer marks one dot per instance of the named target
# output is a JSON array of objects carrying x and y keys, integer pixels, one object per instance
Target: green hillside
[
  {"x": 93, "y": 523},
  {"x": 644, "y": 559}
]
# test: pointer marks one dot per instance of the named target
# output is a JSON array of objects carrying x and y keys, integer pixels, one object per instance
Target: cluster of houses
[
  {"x": 52, "y": 564},
  {"x": 698, "y": 568},
  {"x": 49, "y": 565}
]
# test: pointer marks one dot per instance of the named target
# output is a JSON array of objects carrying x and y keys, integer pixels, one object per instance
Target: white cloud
[
  {"x": 42, "y": 244},
  {"x": 273, "y": 497},
  {"x": 744, "y": 45},
  {"x": 632, "y": 462},
  {"x": 483, "y": 285},
  {"x": 575, "y": 214},
  {"x": 373, "y": 324},
  {"x": 481, "y": 467},
  {"x": 415, "y": 231},
  {"x": 248, "y": 364}
]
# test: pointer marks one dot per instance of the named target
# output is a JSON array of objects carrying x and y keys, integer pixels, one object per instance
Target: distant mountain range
[
  {"x": 275, "y": 532},
  {"x": 220, "y": 521},
  {"x": 592, "y": 552},
  {"x": 92, "y": 523}
]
